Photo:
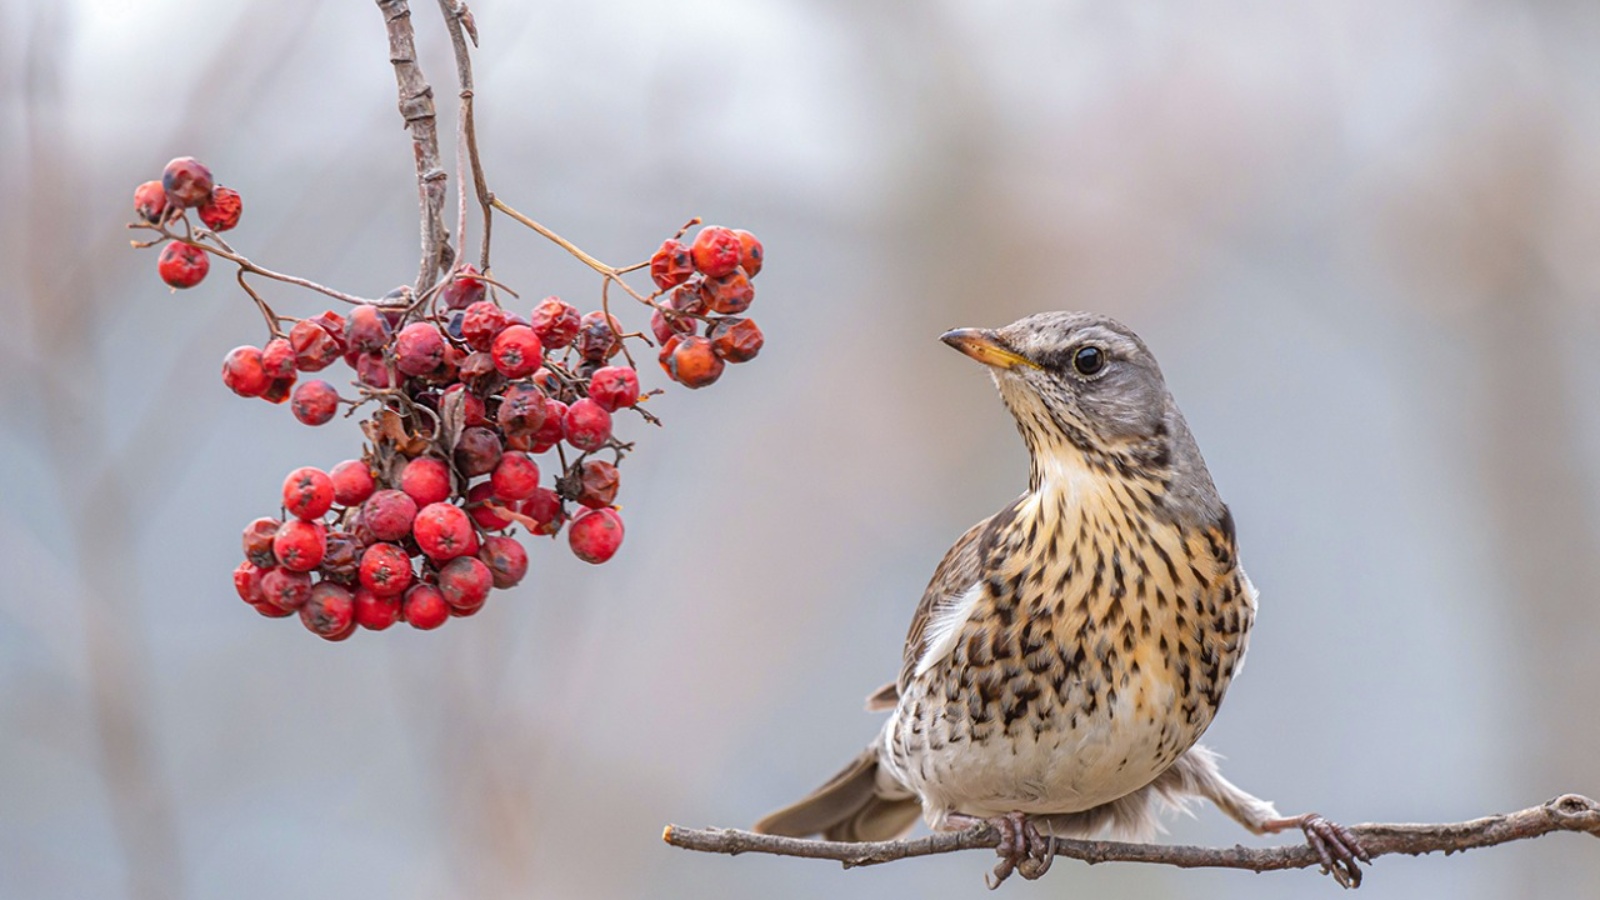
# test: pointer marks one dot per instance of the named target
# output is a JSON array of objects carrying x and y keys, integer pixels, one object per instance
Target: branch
[
  {"x": 1569, "y": 812},
  {"x": 416, "y": 107},
  {"x": 458, "y": 19}
]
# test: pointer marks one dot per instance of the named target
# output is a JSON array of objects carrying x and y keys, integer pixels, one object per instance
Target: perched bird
[{"x": 1072, "y": 648}]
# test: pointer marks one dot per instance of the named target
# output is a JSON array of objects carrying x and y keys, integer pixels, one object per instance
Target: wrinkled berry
[
  {"x": 372, "y": 370},
  {"x": 751, "y": 254},
  {"x": 342, "y": 559},
  {"x": 150, "y": 202},
  {"x": 314, "y": 347},
  {"x": 464, "y": 289},
  {"x": 187, "y": 182},
  {"x": 664, "y": 325},
  {"x": 221, "y": 212},
  {"x": 736, "y": 340},
  {"x": 481, "y": 323},
  {"x": 257, "y": 540},
  {"x": 716, "y": 251},
  {"x": 182, "y": 266},
  {"x": 477, "y": 452},
  {"x": 599, "y": 337},
  {"x": 671, "y": 265},
  {"x": 555, "y": 321},
  {"x": 693, "y": 363},
  {"x": 367, "y": 330},
  {"x": 247, "y": 581},
  {"x": 330, "y": 612},
  {"x": 522, "y": 409},
  {"x": 597, "y": 482},
  {"x": 729, "y": 294},
  {"x": 595, "y": 535},
  {"x": 314, "y": 402}
]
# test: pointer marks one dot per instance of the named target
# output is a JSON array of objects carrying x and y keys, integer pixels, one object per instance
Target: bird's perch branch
[{"x": 1569, "y": 812}]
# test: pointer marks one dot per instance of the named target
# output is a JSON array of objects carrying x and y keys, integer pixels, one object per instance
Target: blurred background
[{"x": 1361, "y": 237}]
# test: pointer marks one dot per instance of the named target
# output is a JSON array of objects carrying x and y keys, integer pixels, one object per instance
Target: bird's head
[{"x": 1085, "y": 391}]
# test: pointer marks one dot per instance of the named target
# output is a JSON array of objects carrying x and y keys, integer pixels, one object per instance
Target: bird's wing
[{"x": 945, "y": 604}]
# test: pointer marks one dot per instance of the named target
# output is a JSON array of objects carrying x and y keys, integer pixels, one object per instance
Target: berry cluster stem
[{"x": 417, "y": 109}]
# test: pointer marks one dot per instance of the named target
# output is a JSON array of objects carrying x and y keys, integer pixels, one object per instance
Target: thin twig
[
  {"x": 458, "y": 19},
  {"x": 416, "y": 108},
  {"x": 1569, "y": 812},
  {"x": 609, "y": 273},
  {"x": 217, "y": 247}
]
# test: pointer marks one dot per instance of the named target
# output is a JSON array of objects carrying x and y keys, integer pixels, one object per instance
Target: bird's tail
[{"x": 861, "y": 803}]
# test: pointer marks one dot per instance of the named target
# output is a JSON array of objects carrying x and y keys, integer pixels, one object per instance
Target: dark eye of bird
[{"x": 1089, "y": 360}]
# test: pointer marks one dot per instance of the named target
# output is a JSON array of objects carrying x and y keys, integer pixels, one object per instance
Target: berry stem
[
  {"x": 417, "y": 109},
  {"x": 218, "y": 247},
  {"x": 458, "y": 19},
  {"x": 272, "y": 318}
]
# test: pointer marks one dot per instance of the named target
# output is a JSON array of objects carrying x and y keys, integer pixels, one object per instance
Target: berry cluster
[{"x": 472, "y": 404}]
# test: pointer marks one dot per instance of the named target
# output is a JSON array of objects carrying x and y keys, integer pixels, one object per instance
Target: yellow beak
[{"x": 982, "y": 345}]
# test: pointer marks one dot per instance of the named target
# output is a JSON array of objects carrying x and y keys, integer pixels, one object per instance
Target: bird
[{"x": 1071, "y": 649}]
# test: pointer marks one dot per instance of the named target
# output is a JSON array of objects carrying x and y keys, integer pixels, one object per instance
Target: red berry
[
  {"x": 751, "y": 253},
  {"x": 545, "y": 510},
  {"x": 595, "y": 535},
  {"x": 598, "y": 483},
  {"x": 692, "y": 362},
  {"x": 242, "y": 372},
  {"x": 308, "y": 492},
  {"x": 277, "y": 390},
  {"x": 425, "y": 608},
  {"x": 587, "y": 425},
  {"x": 385, "y": 569},
  {"x": 444, "y": 531},
  {"x": 478, "y": 499},
  {"x": 286, "y": 590},
  {"x": 425, "y": 480},
  {"x": 464, "y": 289},
  {"x": 716, "y": 251},
  {"x": 506, "y": 558},
  {"x": 665, "y": 324},
  {"x": 419, "y": 348},
  {"x": 352, "y": 482},
  {"x": 516, "y": 477},
  {"x": 736, "y": 340},
  {"x": 367, "y": 330},
  {"x": 389, "y": 514},
  {"x": 555, "y": 321},
  {"x": 472, "y": 408},
  {"x": 187, "y": 182},
  {"x": 375, "y": 612},
  {"x": 479, "y": 374},
  {"x": 342, "y": 560},
  {"x": 599, "y": 337},
  {"x": 221, "y": 212},
  {"x": 671, "y": 265},
  {"x": 689, "y": 298},
  {"x": 517, "y": 351},
  {"x": 465, "y": 582},
  {"x": 271, "y": 611},
  {"x": 372, "y": 370},
  {"x": 300, "y": 545},
  {"x": 549, "y": 434},
  {"x": 314, "y": 402},
  {"x": 522, "y": 409},
  {"x": 150, "y": 201},
  {"x": 477, "y": 451},
  {"x": 247, "y": 581},
  {"x": 481, "y": 323},
  {"x": 614, "y": 386},
  {"x": 182, "y": 266},
  {"x": 729, "y": 294},
  {"x": 277, "y": 359},
  {"x": 330, "y": 612},
  {"x": 257, "y": 542},
  {"x": 314, "y": 347}
]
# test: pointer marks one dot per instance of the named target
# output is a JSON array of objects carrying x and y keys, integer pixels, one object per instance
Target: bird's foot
[
  {"x": 1336, "y": 845},
  {"x": 1022, "y": 849}
]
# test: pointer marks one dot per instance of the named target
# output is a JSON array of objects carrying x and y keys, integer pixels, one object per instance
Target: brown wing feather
[{"x": 959, "y": 569}]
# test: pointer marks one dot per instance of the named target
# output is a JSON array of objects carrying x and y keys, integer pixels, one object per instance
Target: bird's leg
[{"x": 1022, "y": 848}]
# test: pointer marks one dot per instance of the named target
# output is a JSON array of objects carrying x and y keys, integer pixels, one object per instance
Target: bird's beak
[{"x": 984, "y": 346}]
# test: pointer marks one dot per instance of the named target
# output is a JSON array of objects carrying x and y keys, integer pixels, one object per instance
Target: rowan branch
[
  {"x": 416, "y": 108},
  {"x": 1569, "y": 812}
]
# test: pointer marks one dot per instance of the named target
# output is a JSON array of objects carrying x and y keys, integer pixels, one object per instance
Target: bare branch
[
  {"x": 1569, "y": 812},
  {"x": 416, "y": 107},
  {"x": 459, "y": 21}
]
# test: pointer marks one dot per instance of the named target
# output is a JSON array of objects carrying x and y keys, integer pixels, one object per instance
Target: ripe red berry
[
  {"x": 479, "y": 498},
  {"x": 375, "y": 612},
  {"x": 247, "y": 581},
  {"x": 385, "y": 569},
  {"x": 419, "y": 348},
  {"x": 187, "y": 182},
  {"x": 481, "y": 323},
  {"x": 221, "y": 212},
  {"x": 671, "y": 265},
  {"x": 182, "y": 266},
  {"x": 465, "y": 582},
  {"x": 314, "y": 347},
  {"x": 736, "y": 340},
  {"x": 257, "y": 540},
  {"x": 389, "y": 514},
  {"x": 614, "y": 387},
  {"x": 425, "y": 480},
  {"x": 550, "y": 433},
  {"x": 477, "y": 451},
  {"x": 464, "y": 288},
  {"x": 267, "y": 609},
  {"x": 597, "y": 481},
  {"x": 556, "y": 322},
  {"x": 277, "y": 359},
  {"x": 242, "y": 372},
  {"x": 424, "y": 608},
  {"x": 300, "y": 545},
  {"x": 352, "y": 482},
  {"x": 692, "y": 362},
  {"x": 472, "y": 408},
  {"x": 444, "y": 531},
  {"x": 544, "y": 510},
  {"x": 330, "y": 611},
  {"x": 666, "y": 324},
  {"x": 372, "y": 370},
  {"x": 751, "y": 254},
  {"x": 517, "y": 351},
  {"x": 729, "y": 294},
  {"x": 595, "y": 535},
  {"x": 587, "y": 425},
  {"x": 522, "y": 409},
  {"x": 150, "y": 202},
  {"x": 599, "y": 337},
  {"x": 308, "y": 492},
  {"x": 367, "y": 330},
  {"x": 506, "y": 558},
  {"x": 314, "y": 402},
  {"x": 716, "y": 251},
  {"x": 516, "y": 477},
  {"x": 284, "y": 589}
]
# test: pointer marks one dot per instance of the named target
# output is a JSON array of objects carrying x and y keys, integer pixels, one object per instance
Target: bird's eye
[{"x": 1089, "y": 360}]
